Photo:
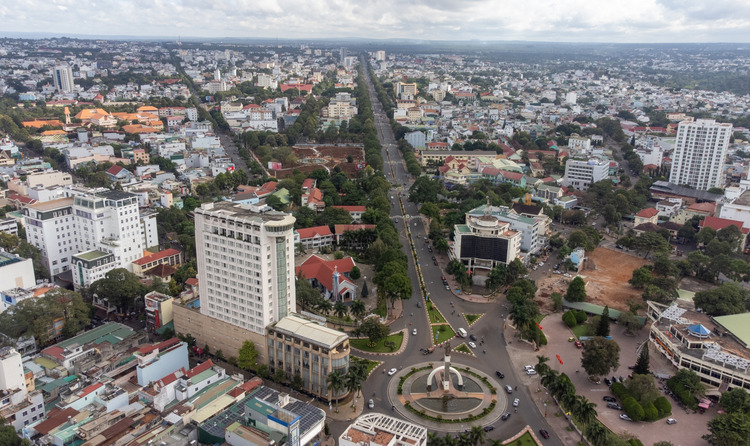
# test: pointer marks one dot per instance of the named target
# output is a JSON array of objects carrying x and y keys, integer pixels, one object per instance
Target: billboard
[
  {"x": 484, "y": 248},
  {"x": 274, "y": 165}
]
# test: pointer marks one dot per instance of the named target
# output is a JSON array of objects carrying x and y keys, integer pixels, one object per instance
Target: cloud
[{"x": 551, "y": 20}]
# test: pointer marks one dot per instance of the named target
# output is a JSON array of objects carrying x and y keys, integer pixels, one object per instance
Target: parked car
[
  {"x": 610, "y": 399},
  {"x": 447, "y": 287},
  {"x": 528, "y": 367},
  {"x": 625, "y": 417},
  {"x": 544, "y": 433},
  {"x": 371, "y": 404},
  {"x": 614, "y": 406},
  {"x": 505, "y": 416},
  {"x": 531, "y": 372},
  {"x": 392, "y": 372},
  {"x": 499, "y": 374},
  {"x": 442, "y": 278},
  {"x": 578, "y": 344},
  {"x": 607, "y": 381},
  {"x": 671, "y": 421}
]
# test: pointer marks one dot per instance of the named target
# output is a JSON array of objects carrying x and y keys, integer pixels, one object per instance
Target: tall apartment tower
[
  {"x": 63, "y": 77},
  {"x": 245, "y": 264},
  {"x": 699, "y": 153}
]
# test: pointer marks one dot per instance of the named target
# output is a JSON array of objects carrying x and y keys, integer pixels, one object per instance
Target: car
[
  {"x": 671, "y": 421},
  {"x": 578, "y": 344},
  {"x": 615, "y": 380},
  {"x": 541, "y": 264},
  {"x": 371, "y": 404},
  {"x": 433, "y": 258},
  {"x": 472, "y": 337},
  {"x": 534, "y": 268},
  {"x": 607, "y": 381},
  {"x": 489, "y": 428},
  {"x": 610, "y": 399},
  {"x": 509, "y": 389},
  {"x": 414, "y": 332},
  {"x": 499, "y": 374},
  {"x": 505, "y": 416},
  {"x": 531, "y": 372},
  {"x": 622, "y": 380},
  {"x": 516, "y": 402},
  {"x": 614, "y": 406},
  {"x": 429, "y": 249},
  {"x": 556, "y": 266},
  {"x": 392, "y": 371},
  {"x": 443, "y": 278},
  {"x": 419, "y": 304},
  {"x": 618, "y": 246},
  {"x": 447, "y": 287},
  {"x": 625, "y": 417},
  {"x": 528, "y": 367},
  {"x": 472, "y": 345},
  {"x": 571, "y": 339},
  {"x": 543, "y": 433}
]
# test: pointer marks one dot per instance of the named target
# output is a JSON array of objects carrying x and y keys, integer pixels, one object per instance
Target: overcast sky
[{"x": 640, "y": 21}]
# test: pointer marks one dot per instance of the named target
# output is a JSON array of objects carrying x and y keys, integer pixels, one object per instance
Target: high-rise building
[
  {"x": 245, "y": 260},
  {"x": 583, "y": 173},
  {"x": 63, "y": 78},
  {"x": 699, "y": 153},
  {"x": 380, "y": 55}
]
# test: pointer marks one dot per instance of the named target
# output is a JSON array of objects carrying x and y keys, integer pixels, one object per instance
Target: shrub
[
  {"x": 635, "y": 442},
  {"x": 649, "y": 412},
  {"x": 663, "y": 406},
  {"x": 542, "y": 339},
  {"x": 569, "y": 319},
  {"x": 633, "y": 409},
  {"x": 619, "y": 390},
  {"x": 581, "y": 316},
  {"x": 682, "y": 393}
]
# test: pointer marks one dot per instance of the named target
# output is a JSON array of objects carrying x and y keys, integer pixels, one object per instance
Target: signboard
[
  {"x": 274, "y": 165},
  {"x": 230, "y": 168}
]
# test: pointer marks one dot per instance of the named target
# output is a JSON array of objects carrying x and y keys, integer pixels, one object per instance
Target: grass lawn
[
  {"x": 525, "y": 440},
  {"x": 435, "y": 316},
  {"x": 442, "y": 336},
  {"x": 581, "y": 330},
  {"x": 382, "y": 308},
  {"x": 463, "y": 348},
  {"x": 370, "y": 364},
  {"x": 362, "y": 344},
  {"x": 471, "y": 318}
]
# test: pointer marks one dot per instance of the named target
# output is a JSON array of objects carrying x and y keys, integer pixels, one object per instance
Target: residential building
[
  {"x": 49, "y": 179},
  {"x": 15, "y": 272},
  {"x": 648, "y": 215},
  {"x": 158, "y": 360},
  {"x": 579, "y": 144},
  {"x": 699, "y": 153},
  {"x": 533, "y": 228},
  {"x": 697, "y": 209},
  {"x": 377, "y": 429},
  {"x": 158, "y": 309},
  {"x": 439, "y": 156},
  {"x": 302, "y": 347},
  {"x": 9, "y": 225},
  {"x": 90, "y": 266},
  {"x": 581, "y": 174},
  {"x": 62, "y": 76},
  {"x": 169, "y": 256},
  {"x": 245, "y": 260},
  {"x": 738, "y": 209},
  {"x": 50, "y": 226},
  {"x": 485, "y": 242},
  {"x": 669, "y": 207},
  {"x": 355, "y": 212},
  {"x": 315, "y": 237}
]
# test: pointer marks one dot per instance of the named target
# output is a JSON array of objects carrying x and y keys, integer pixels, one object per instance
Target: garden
[{"x": 442, "y": 333}]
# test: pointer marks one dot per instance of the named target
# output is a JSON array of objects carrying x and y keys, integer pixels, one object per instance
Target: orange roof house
[{"x": 331, "y": 277}]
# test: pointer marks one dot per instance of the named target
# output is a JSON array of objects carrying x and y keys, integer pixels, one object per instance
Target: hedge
[
  {"x": 569, "y": 319},
  {"x": 619, "y": 390},
  {"x": 650, "y": 413},
  {"x": 633, "y": 409},
  {"x": 663, "y": 406},
  {"x": 635, "y": 442},
  {"x": 580, "y": 315}
]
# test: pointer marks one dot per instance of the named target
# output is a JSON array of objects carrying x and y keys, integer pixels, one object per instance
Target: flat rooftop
[
  {"x": 310, "y": 331},
  {"x": 91, "y": 255},
  {"x": 53, "y": 204}
]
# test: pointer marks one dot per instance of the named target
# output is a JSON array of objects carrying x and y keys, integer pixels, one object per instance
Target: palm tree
[
  {"x": 336, "y": 384},
  {"x": 358, "y": 309},
  {"x": 477, "y": 435},
  {"x": 464, "y": 439},
  {"x": 450, "y": 440},
  {"x": 597, "y": 434},
  {"x": 352, "y": 381},
  {"x": 549, "y": 377},
  {"x": 584, "y": 410},
  {"x": 340, "y": 310},
  {"x": 494, "y": 442},
  {"x": 433, "y": 439},
  {"x": 324, "y": 306},
  {"x": 541, "y": 366}
]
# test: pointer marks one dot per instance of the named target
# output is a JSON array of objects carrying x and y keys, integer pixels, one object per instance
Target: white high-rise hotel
[
  {"x": 699, "y": 153},
  {"x": 63, "y": 77},
  {"x": 245, "y": 264}
]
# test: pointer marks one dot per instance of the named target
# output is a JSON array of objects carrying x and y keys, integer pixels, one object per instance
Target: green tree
[
  {"x": 340, "y": 310},
  {"x": 576, "y": 290},
  {"x": 396, "y": 287},
  {"x": 374, "y": 330},
  {"x": 641, "y": 277},
  {"x": 729, "y": 429},
  {"x": 600, "y": 356},
  {"x": 629, "y": 321},
  {"x": 247, "y": 356},
  {"x": 649, "y": 242},
  {"x": 431, "y": 210},
  {"x": 477, "y": 435},
  {"x": 355, "y": 273},
  {"x": 336, "y": 383},
  {"x": 728, "y": 298},
  {"x": 584, "y": 411},
  {"x": 358, "y": 309},
  {"x": 642, "y": 366},
  {"x": 119, "y": 287},
  {"x": 603, "y": 328},
  {"x": 735, "y": 401}
]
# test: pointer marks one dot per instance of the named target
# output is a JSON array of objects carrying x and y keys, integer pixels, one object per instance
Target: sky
[{"x": 620, "y": 21}]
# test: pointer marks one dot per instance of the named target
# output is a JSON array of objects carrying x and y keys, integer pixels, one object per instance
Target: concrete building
[
  {"x": 700, "y": 151},
  {"x": 738, "y": 209},
  {"x": 49, "y": 179},
  {"x": 156, "y": 361},
  {"x": 158, "y": 309},
  {"x": 62, "y": 76},
  {"x": 376, "y": 429},
  {"x": 245, "y": 260},
  {"x": 303, "y": 347},
  {"x": 439, "y": 156},
  {"x": 416, "y": 139},
  {"x": 18, "y": 406},
  {"x": 90, "y": 266},
  {"x": 533, "y": 230},
  {"x": 484, "y": 242},
  {"x": 50, "y": 226},
  {"x": 15, "y": 272},
  {"x": 581, "y": 174},
  {"x": 168, "y": 256}
]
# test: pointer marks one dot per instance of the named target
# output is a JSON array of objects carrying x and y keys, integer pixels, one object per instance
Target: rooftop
[
  {"x": 257, "y": 214},
  {"x": 92, "y": 255},
  {"x": 310, "y": 331}
]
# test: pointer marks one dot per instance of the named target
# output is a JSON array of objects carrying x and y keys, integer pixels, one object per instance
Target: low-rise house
[
  {"x": 315, "y": 237},
  {"x": 331, "y": 277}
]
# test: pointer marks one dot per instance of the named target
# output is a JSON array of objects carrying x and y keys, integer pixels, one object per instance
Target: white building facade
[
  {"x": 583, "y": 173},
  {"x": 700, "y": 151}
]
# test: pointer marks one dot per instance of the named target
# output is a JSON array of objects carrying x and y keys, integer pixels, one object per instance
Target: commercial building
[
  {"x": 63, "y": 78},
  {"x": 15, "y": 272},
  {"x": 50, "y": 226},
  {"x": 439, "y": 156},
  {"x": 306, "y": 348},
  {"x": 158, "y": 309},
  {"x": 485, "y": 242},
  {"x": 90, "y": 266},
  {"x": 377, "y": 429},
  {"x": 533, "y": 229},
  {"x": 245, "y": 258},
  {"x": 581, "y": 174},
  {"x": 699, "y": 153}
]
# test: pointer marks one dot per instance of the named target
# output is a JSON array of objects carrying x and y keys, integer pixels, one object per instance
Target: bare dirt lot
[
  {"x": 313, "y": 157},
  {"x": 606, "y": 274}
]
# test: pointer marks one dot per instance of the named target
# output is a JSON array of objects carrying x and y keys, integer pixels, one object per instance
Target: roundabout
[{"x": 445, "y": 396}]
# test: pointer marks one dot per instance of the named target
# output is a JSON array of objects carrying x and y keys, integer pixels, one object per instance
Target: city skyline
[{"x": 639, "y": 21}]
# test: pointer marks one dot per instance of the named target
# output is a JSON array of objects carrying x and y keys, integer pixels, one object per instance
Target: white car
[
  {"x": 414, "y": 332},
  {"x": 516, "y": 402},
  {"x": 528, "y": 367},
  {"x": 531, "y": 372},
  {"x": 625, "y": 417},
  {"x": 472, "y": 345},
  {"x": 392, "y": 371}
]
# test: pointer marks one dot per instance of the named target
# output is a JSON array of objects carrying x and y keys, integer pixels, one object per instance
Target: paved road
[{"x": 489, "y": 327}]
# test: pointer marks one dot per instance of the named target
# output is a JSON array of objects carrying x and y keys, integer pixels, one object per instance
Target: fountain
[{"x": 444, "y": 373}]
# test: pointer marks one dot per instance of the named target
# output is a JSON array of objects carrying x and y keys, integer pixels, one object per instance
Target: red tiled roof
[
  {"x": 351, "y": 208},
  {"x": 89, "y": 389},
  {"x": 321, "y": 270},
  {"x": 192, "y": 281},
  {"x": 54, "y": 351},
  {"x": 156, "y": 256},
  {"x": 490, "y": 171},
  {"x": 647, "y": 213},
  {"x": 340, "y": 229},
  {"x": 266, "y": 189},
  {"x": 717, "y": 223},
  {"x": 512, "y": 175},
  {"x": 54, "y": 419},
  {"x": 161, "y": 270},
  {"x": 319, "y": 231},
  {"x": 161, "y": 346},
  {"x": 251, "y": 384},
  {"x": 114, "y": 170},
  {"x": 202, "y": 367},
  {"x": 237, "y": 391},
  {"x": 707, "y": 207},
  {"x": 308, "y": 183}
]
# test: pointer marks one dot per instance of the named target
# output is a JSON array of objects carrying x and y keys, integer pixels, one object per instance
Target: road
[{"x": 488, "y": 327}]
